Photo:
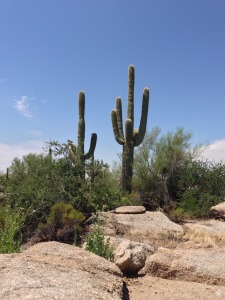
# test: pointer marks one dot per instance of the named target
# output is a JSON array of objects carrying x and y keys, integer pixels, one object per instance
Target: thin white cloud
[
  {"x": 9, "y": 152},
  {"x": 215, "y": 151},
  {"x": 23, "y": 105}
]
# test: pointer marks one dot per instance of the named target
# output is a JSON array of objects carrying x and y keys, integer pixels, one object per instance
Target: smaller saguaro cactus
[
  {"x": 133, "y": 137},
  {"x": 78, "y": 151}
]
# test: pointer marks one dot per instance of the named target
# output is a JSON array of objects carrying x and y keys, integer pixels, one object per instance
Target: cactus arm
[
  {"x": 129, "y": 131},
  {"x": 118, "y": 137},
  {"x": 91, "y": 150},
  {"x": 119, "y": 116},
  {"x": 81, "y": 123},
  {"x": 72, "y": 152},
  {"x": 144, "y": 117},
  {"x": 130, "y": 104}
]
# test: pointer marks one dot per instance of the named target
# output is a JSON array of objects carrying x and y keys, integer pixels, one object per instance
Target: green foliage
[
  {"x": 96, "y": 243},
  {"x": 64, "y": 215},
  {"x": 11, "y": 222},
  {"x": 34, "y": 184},
  {"x": 179, "y": 215},
  {"x": 37, "y": 181},
  {"x": 204, "y": 176},
  {"x": 201, "y": 185},
  {"x": 132, "y": 137},
  {"x": 64, "y": 223},
  {"x": 166, "y": 170},
  {"x": 198, "y": 203}
]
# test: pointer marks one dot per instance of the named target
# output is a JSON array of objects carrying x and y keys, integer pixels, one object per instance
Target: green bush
[
  {"x": 63, "y": 223},
  {"x": 64, "y": 215},
  {"x": 96, "y": 243},
  {"x": 11, "y": 222},
  {"x": 179, "y": 215},
  {"x": 198, "y": 203}
]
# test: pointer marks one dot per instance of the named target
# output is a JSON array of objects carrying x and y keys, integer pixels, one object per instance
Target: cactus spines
[
  {"x": 78, "y": 152},
  {"x": 133, "y": 137}
]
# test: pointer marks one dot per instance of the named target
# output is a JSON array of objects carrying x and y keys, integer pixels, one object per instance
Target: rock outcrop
[
  {"x": 191, "y": 256},
  {"x": 54, "y": 270},
  {"x": 197, "y": 265},
  {"x": 148, "y": 227}
]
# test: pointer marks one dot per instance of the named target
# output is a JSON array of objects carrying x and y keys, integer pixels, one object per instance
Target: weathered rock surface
[
  {"x": 130, "y": 257},
  {"x": 198, "y": 265},
  {"x": 58, "y": 271},
  {"x": 115, "y": 241},
  {"x": 147, "y": 228},
  {"x": 206, "y": 232},
  {"x": 155, "y": 288},
  {"x": 193, "y": 268},
  {"x": 130, "y": 210},
  {"x": 218, "y": 211}
]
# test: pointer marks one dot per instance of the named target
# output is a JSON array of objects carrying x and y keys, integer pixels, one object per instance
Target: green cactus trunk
[
  {"x": 127, "y": 167},
  {"x": 81, "y": 137},
  {"x": 133, "y": 137}
]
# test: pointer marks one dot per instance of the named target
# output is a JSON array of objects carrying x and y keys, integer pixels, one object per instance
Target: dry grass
[
  {"x": 158, "y": 238},
  {"x": 172, "y": 240},
  {"x": 206, "y": 239}
]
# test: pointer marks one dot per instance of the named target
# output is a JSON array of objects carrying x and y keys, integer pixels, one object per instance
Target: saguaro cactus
[
  {"x": 78, "y": 151},
  {"x": 133, "y": 137}
]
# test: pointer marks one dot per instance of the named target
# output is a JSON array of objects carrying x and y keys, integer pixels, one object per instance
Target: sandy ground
[{"x": 154, "y": 288}]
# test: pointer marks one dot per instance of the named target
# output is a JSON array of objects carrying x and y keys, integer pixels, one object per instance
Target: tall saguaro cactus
[
  {"x": 81, "y": 137},
  {"x": 133, "y": 137}
]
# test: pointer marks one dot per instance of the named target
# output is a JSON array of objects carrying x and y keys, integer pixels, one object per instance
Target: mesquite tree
[{"x": 133, "y": 137}]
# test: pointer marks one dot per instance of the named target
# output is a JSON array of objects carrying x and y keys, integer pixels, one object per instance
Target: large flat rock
[
  {"x": 197, "y": 265},
  {"x": 130, "y": 210},
  {"x": 58, "y": 271},
  {"x": 149, "y": 227}
]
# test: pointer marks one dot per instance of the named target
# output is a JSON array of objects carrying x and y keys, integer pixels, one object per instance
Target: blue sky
[{"x": 52, "y": 49}]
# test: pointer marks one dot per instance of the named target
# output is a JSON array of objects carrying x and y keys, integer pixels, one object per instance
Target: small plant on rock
[
  {"x": 11, "y": 222},
  {"x": 96, "y": 243}
]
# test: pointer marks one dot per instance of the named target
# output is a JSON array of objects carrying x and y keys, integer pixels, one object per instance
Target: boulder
[
  {"x": 198, "y": 265},
  {"x": 54, "y": 270},
  {"x": 115, "y": 241},
  {"x": 130, "y": 257},
  {"x": 130, "y": 210},
  {"x": 218, "y": 211}
]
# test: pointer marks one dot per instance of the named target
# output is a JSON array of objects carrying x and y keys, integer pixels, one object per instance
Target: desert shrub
[
  {"x": 2, "y": 215},
  {"x": 179, "y": 215},
  {"x": 64, "y": 215},
  {"x": 11, "y": 222},
  {"x": 201, "y": 185},
  {"x": 157, "y": 162},
  {"x": 64, "y": 223},
  {"x": 96, "y": 243},
  {"x": 198, "y": 203}
]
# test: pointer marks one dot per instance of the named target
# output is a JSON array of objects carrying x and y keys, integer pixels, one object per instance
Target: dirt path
[{"x": 148, "y": 287}]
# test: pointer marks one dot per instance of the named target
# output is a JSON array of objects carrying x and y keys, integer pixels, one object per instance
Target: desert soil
[{"x": 148, "y": 287}]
